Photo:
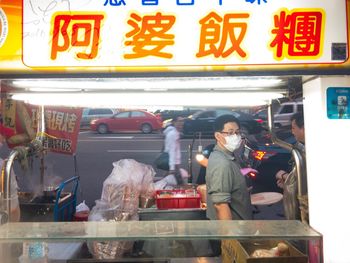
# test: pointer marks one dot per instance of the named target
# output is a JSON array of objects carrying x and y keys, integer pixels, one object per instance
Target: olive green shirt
[{"x": 226, "y": 184}]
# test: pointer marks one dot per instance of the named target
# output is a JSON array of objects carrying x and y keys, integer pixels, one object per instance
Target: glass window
[
  {"x": 300, "y": 108},
  {"x": 100, "y": 111},
  {"x": 196, "y": 114},
  {"x": 207, "y": 114},
  {"x": 122, "y": 115},
  {"x": 223, "y": 112},
  {"x": 106, "y": 111},
  {"x": 287, "y": 109},
  {"x": 262, "y": 114},
  {"x": 93, "y": 112},
  {"x": 138, "y": 114}
]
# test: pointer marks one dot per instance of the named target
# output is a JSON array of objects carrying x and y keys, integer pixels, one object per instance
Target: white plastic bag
[
  {"x": 167, "y": 182},
  {"x": 82, "y": 207},
  {"x": 170, "y": 182},
  {"x": 128, "y": 183}
]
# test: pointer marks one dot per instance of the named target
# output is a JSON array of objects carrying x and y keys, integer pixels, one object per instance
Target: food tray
[
  {"x": 240, "y": 252},
  {"x": 177, "y": 199}
]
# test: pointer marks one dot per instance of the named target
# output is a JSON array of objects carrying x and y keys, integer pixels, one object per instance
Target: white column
[{"x": 328, "y": 169}]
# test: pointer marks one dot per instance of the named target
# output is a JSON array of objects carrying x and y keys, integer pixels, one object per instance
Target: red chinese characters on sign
[
  {"x": 298, "y": 34},
  {"x": 222, "y": 36},
  {"x": 149, "y": 35},
  {"x": 62, "y": 126},
  {"x": 76, "y": 30}
]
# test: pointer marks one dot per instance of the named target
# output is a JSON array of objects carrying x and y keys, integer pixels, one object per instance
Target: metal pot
[{"x": 49, "y": 192}]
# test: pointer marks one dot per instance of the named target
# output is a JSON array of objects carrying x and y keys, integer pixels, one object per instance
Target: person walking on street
[
  {"x": 228, "y": 197},
  {"x": 172, "y": 146}
]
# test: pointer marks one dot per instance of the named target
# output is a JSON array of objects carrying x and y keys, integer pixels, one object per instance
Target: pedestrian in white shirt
[{"x": 172, "y": 145}]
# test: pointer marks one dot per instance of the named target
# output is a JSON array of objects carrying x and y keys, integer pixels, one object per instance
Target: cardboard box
[{"x": 234, "y": 251}]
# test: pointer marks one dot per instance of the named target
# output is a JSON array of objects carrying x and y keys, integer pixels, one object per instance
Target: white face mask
[{"x": 233, "y": 142}]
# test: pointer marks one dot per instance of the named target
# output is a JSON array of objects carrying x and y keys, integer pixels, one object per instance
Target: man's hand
[
  {"x": 248, "y": 170},
  {"x": 281, "y": 176}
]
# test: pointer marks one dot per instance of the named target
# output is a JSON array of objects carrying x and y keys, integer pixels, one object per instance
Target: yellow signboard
[{"x": 167, "y": 35}]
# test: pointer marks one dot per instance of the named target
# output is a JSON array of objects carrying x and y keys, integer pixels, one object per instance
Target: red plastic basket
[{"x": 177, "y": 199}]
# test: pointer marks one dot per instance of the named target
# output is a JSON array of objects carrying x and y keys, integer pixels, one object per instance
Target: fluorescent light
[
  {"x": 150, "y": 84},
  {"x": 147, "y": 99}
]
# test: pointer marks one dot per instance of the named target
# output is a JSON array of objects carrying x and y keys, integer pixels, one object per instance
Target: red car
[{"x": 134, "y": 120}]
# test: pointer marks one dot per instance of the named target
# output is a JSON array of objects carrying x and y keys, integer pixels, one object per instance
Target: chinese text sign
[{"x": 182, "y": 32}]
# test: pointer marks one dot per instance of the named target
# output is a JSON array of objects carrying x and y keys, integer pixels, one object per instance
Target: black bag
[{"x": 162, "y": 161}]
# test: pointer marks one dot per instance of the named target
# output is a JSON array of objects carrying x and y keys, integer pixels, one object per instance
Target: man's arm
[
  {"x": 219, "y": 185},
  {"x": 223, "y": 211}
]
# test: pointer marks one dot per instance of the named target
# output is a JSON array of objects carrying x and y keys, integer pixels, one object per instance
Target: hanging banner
[
  {"x": 62, "y": 125},
  {"x": 108, "y": 35}
]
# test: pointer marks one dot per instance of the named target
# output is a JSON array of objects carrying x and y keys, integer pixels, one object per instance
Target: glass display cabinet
[{"x": 158, "y": 241}]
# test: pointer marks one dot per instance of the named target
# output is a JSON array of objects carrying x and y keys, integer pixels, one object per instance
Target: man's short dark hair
[
  {"x": 222, "y": 120},
  {"x": 298, "y": 118}
]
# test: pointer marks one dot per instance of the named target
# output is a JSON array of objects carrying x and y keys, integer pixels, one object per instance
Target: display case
[{"x": 170, "y": 241}]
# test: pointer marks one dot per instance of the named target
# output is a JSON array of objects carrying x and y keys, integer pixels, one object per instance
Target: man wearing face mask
[{"x": 227, "y": 193}]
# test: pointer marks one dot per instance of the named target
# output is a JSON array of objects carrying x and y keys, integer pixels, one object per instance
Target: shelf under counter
[{"x": 152, "y": 214}]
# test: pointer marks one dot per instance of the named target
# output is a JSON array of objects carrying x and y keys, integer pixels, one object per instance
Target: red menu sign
[{"x": 61, "y": 131}]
